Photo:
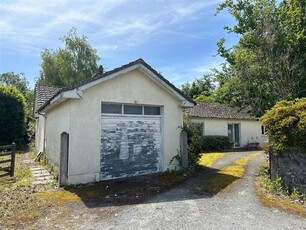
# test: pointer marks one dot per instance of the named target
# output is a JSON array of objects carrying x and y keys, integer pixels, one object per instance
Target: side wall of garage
[
  {"x": 57, "y": 121},
  {"x": 134, "y": 87}
]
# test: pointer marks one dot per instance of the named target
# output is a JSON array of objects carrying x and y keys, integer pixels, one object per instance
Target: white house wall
[
  {"x": 85, "y": 124},
  {"x": 250, "y": 130},
  {"x": 39, "y": 134},
  {"x": 57, "y": 121}
]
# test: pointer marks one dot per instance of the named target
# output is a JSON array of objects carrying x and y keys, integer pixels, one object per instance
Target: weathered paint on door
[{"x": 130, "y": 146}]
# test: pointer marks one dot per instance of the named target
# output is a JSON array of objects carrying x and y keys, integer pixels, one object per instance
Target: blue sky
[{"x": 176, "y": 37}]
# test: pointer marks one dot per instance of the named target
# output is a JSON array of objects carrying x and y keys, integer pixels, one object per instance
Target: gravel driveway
[{"x": 180, "y": 208}]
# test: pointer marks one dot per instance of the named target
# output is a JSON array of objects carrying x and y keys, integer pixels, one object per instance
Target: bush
[
  {"x": 12, "y": 115},
  {"x": 215, "y": 143},
  {"x": 286, "y": 124},
  {"x": 194, "y": 145}
]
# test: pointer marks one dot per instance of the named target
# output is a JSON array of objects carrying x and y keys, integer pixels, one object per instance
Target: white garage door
[{"x": 130, "y": 145}]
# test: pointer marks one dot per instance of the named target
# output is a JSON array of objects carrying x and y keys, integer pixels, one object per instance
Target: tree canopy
[
  {"x": 12, "y": 115},
  {"x": 19, "y": 81},
  {"x": 200, "y": 89},
  {"x": 268, "y": 63},
  {"x": 70, "y": 65},
  {"x": 15, "y": 79}
]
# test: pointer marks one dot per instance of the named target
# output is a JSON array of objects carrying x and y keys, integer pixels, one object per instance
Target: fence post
[
  {"x": 184, "y": 152},
  {"x": 13, "y": 159}
]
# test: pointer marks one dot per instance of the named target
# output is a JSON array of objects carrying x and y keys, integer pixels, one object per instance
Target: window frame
[{"x": 131, "y": 114}]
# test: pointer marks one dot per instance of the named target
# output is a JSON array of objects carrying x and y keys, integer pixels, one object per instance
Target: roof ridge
[{"x": 100, "y": 75}]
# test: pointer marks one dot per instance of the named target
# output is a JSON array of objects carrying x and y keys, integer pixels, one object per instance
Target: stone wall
[{"x": 290, "y": 165}]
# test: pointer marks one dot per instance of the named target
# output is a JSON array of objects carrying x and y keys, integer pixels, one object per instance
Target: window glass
[
  {"x": 111, "y": 108},
  {"x": 132, "y": 109},
  {"x": 150, "y": 110}
]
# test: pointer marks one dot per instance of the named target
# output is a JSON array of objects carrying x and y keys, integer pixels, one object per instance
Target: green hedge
[
  {"x": 215, "y": 143},
  {"x": 12, "y": 115},
  {"x": 286, "y": 124}
]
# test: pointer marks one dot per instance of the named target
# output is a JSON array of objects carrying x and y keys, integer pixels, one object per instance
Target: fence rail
[{"x": 7, "y": 160}]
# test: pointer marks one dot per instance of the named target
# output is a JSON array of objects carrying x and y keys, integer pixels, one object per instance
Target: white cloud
[{"x": 32, "y": 25}]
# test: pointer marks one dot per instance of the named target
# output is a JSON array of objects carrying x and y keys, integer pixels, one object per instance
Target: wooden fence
[{"x": 7, "y": 160}]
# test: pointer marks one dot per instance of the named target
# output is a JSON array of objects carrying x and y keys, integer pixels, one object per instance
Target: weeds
[
  {"x": 275, "y": 194},
  {"x": 226, "y": 176}
]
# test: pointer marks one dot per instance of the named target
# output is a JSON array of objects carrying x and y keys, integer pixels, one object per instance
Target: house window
[
  {"x": 112, "y": 108},
  {"x": 133, "y": 109},
  {"x": 150, "y": 110}
]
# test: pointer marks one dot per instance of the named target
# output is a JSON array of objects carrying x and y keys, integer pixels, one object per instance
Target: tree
[
  {"x": 19, "y": 81},
  {"x": 199, "y": 88},
  {"x": 69, "y": 66},
  {"x": 12, "y": 115},
  {"x": 15, "y": 79},
  {"x": 269, "y": 62}
]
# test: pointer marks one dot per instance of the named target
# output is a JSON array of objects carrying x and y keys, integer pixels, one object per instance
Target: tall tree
[
  {"x": 199, "y": 89},
  {"x": 71, "y": 65},
  {"x": 16, "y": 79},
  {"x": 269, "y": 62}
]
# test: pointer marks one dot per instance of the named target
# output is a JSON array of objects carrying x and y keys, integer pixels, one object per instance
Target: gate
[{"x": 7, "y": 160}]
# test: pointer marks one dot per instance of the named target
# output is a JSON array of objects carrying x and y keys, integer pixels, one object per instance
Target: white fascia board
[
  {"x": 71, "y": 94},
  {"x": 184, "y": 103}
]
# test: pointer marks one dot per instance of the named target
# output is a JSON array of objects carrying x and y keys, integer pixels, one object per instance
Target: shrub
[
  {"x": 12, "y": 115},
  {"x": 286, "y": 124},
  {"x": 194, "y": 145},
  {"x": 215, "y": 143}
]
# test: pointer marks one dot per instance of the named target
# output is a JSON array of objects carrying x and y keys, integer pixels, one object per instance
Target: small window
[
  {"x": 150, "y": 110},
  {"x": 133, "y": 109},
  {"x": 111, "y": 108}
]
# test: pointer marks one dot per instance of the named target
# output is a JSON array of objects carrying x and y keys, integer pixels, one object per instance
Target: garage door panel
[{"x": 129, "y": 146}]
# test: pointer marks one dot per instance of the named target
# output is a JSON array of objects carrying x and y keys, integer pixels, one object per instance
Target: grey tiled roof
[
  {"x": 212, "y": 110},
  {"x": 53, "y": 92},
  {"x": 44, "y": 93}
]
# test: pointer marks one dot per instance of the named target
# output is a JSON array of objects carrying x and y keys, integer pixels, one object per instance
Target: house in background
[
  {"x": 242, "y": 128},
  {"x": 121, "y": 123}
]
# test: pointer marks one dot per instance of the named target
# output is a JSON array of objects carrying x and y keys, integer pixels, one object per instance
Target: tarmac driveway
[{"x": 180, "y": 208}]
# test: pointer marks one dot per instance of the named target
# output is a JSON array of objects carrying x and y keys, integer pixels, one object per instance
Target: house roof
[
  {"x": 212, "y": 110},
  {"x": 52, "y": 93},
  {"x": 43, "y": 93}
]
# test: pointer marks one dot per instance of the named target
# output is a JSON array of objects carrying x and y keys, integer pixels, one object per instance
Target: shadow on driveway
[{"x": 166, "y": 187}]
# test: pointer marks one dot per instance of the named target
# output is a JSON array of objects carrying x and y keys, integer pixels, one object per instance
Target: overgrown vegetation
[
  {"x": 215, "y": 143},
  {"x": 275, "y": 194},
  {"x": 15, "y": 192},
  {"x": 12, "y": 115},
  {"x": 194, "y": 146},
  {"x": 20, "y": 203},
  {"x": 19, "y": 81},
  {"x": 225, "y": 177},
  {"x": 286, "y": 124},
  {"x": 267, "y": 64}
]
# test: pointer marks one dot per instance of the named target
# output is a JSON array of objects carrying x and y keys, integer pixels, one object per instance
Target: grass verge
[
  {"x": 225, "y": 177},
  {"x": 275, "y": 195}
]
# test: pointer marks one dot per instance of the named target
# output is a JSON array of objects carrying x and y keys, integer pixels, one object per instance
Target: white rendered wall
[
  {"x": 57, "y": 121},
  {"x": 250, "y": 130},
  {"x": 81, "y": 118}
]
